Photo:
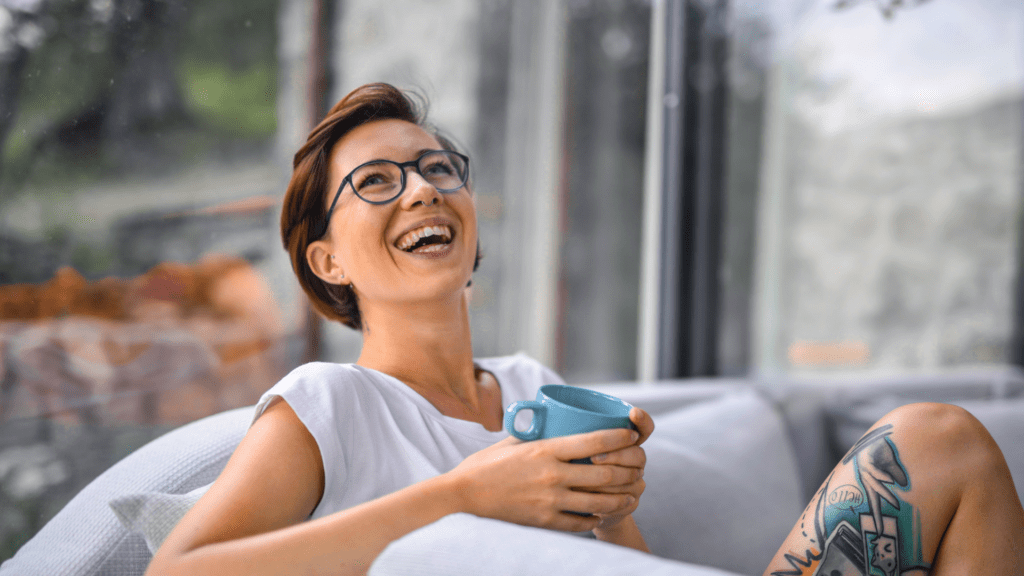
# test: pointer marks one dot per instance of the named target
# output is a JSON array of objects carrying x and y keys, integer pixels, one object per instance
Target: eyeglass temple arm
[{"x": 327, "y": 217}]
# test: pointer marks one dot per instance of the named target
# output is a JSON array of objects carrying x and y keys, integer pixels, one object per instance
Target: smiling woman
[
  {"x": 305, "y": 217},
  {"x": 380, "y": 223},
  {"x": 360, "y": 248}
]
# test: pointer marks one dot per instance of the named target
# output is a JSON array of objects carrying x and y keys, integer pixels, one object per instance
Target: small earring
[{"x": 342, "y": 275}]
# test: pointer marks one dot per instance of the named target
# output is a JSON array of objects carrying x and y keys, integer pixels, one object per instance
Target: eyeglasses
[{"x": 381, "y": 181}]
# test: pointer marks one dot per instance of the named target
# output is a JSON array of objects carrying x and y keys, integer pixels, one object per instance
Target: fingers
[
  {"x": 568, "y": 448},
  {"x": 598, "y": 503},
  {"x": 614, "y": 517},
  {"x": 632, "y": 456},
  {"x": 636, "y": 489},
  {"x": 643, "y": 422},
  {"x": 607, "y": 510},
  {"x": 568, "y": 522},
  {"x": 533, "y": 483},
  {"x": 594, "y": 476}
]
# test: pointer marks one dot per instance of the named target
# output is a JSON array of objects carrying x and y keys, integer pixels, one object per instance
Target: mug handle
[{"x": 536, "y": 423}]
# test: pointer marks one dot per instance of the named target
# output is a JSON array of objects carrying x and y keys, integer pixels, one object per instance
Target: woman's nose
[{"x": 418, "y": 190}]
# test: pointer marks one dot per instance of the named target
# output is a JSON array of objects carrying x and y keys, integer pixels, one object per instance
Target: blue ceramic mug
[{"x": 562, "y": 410}]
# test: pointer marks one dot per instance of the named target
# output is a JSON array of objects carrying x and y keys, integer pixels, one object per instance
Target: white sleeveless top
[{"x": 376, "y": 435}]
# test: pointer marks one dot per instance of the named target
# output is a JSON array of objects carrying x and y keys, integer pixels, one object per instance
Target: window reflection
[
  {"x": 889, "y": 182},
  {"x": 138, "y": 202}
]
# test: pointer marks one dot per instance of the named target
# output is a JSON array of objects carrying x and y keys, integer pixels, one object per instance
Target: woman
[
  {"x": 412, "y": 431},
  {"x": 341, "y": 460}
]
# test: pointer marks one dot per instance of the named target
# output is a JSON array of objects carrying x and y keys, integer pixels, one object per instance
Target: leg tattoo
[{"x": 866, "y": 528}]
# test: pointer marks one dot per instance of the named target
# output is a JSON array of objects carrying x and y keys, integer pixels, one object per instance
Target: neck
[{"x": 426, "y": 346}]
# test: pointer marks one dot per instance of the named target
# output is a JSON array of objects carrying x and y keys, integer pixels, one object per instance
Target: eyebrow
[{"x": 419, "y": 153}]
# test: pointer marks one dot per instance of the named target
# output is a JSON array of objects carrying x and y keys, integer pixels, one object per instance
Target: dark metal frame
[
  {"x": 321, "y": 88},
  {"x": 693, "y": 191},
  {"x": 1015, "y": 355}
]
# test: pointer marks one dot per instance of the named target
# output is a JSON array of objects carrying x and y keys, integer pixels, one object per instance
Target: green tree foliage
[{"x": 95, "y": 88}]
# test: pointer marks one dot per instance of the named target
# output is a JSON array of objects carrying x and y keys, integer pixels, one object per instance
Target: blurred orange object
[
  {"x": 804, "y": 353},
  {"x": 174, "y": 344}
]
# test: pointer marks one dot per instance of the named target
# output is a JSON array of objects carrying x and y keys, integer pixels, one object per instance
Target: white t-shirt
[{"x": 376, "y": 435}]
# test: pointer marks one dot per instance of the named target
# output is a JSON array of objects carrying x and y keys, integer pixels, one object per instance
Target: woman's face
[{"x": 378, "y": 247}]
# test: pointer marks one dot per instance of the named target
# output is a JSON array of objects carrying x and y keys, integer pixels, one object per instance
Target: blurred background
[{"x": 667, "y": 189}]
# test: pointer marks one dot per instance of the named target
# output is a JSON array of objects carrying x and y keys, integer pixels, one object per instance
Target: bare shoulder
[{"x": 274, "y": 479}]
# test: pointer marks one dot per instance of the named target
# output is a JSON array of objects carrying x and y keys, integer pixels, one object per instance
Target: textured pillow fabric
[
  {"x": 154, "y": 514},
  {"x": 462, "y": 544},
  {"x": 86, "y": 537},
  {"x": 723, "y": 489}
]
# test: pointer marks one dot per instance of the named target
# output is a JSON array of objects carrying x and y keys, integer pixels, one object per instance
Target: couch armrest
[{"x": 85, "y": 537}]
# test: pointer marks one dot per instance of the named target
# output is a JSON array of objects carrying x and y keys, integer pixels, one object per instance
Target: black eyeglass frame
[{"x": 401, "y": 169}]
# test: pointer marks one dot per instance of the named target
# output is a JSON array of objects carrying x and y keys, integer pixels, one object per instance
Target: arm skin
[{"x": 251, "y": 521}]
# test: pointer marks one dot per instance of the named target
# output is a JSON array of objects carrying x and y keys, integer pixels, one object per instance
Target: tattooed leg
[{"x": 925, "y": 492}]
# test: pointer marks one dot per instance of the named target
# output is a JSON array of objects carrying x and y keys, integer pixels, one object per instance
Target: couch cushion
[
  {"x": 722, "y": 484},
  {"x": 85, "y": 537},
  {"x": 462, "y": 544},
  {"x": 154, "y": 514}
]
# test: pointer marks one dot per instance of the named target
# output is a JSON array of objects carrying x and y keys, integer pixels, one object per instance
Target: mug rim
[{"x": 617, "y": 401}]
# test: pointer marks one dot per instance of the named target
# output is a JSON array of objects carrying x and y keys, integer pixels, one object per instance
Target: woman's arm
[
  {"x": 624, "y": 533},
  {"x": 251, "y": 519}
]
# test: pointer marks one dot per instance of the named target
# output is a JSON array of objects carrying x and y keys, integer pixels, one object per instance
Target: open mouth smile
[{"x": 426, "y": 239}]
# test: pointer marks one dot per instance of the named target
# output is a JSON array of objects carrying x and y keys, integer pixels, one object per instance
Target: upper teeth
[{"x": 411, "y": 238}]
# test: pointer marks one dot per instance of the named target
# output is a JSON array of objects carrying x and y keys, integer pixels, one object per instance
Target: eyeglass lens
[{"x": 382, "y": 181}]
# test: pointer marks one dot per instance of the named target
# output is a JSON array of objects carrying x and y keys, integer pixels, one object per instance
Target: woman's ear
[{"x": 324, "y": 264}]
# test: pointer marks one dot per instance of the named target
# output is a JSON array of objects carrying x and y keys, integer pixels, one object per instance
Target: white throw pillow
[
  {"x": 462, "y": 544},
  {"x": 154, "y": 514}
]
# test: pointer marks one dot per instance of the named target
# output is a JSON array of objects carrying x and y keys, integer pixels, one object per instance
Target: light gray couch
[{"x": 730, "y": 467}]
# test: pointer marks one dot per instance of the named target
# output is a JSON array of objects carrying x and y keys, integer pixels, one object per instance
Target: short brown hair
[{"x": 303, "y": 215}]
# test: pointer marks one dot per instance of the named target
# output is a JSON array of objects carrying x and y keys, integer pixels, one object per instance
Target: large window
[
  {"x": 839, "y": 186},
  {"x": 888, "y": 181},
  {"x": 138, "y": 194}
]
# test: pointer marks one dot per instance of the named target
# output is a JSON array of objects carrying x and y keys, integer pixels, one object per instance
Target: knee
[
  {"x": 946, "y": 430},
  {"x": 935, "y": 417}
]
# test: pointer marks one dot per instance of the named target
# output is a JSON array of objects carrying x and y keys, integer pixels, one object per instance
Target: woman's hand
[
  {"x": 643, "y": 422},
  {"x": 632, "y": 456},
  {"x": 533, "y": 483}
]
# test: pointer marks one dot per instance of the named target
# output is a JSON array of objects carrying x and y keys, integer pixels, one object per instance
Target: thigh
[{"x": 925, "y": 478}]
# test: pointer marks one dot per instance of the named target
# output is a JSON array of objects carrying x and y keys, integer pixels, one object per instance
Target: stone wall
[{"x": 91, "y": 370}]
